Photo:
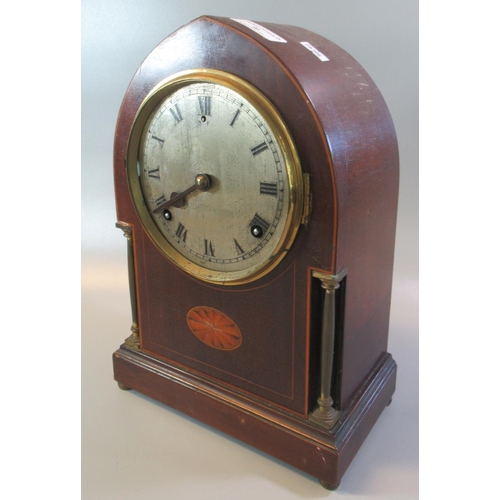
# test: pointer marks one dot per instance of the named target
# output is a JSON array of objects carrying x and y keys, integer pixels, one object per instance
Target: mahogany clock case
[{"x": 264, "y": 392}]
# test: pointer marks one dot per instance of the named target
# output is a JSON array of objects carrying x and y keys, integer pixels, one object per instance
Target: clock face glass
[{"x": 215, "y": 181}]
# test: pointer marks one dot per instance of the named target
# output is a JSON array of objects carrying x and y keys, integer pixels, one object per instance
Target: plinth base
[{"x": 298, "y": 442}]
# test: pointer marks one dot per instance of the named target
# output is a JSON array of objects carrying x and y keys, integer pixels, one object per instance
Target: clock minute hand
[{"x": 202, "y": 183}]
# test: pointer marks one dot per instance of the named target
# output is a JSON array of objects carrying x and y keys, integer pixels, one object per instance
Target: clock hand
[{"x": 202, "y": 182}]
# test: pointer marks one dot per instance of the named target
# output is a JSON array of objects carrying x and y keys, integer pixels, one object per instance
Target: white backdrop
[{"x": 135, "y": 448}]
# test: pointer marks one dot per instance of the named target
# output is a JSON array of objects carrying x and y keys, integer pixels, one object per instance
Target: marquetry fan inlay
[{"x": 214, "y": 328}]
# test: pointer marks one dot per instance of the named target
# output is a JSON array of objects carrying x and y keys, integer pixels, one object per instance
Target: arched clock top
[{"x": 336, "y": 126}]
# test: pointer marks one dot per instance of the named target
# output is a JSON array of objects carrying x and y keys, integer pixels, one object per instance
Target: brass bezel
[{"x": 286, "y": 144}]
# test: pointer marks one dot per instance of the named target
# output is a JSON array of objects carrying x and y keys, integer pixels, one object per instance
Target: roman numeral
[
  {"x": 239, "y": 250},
  {"x": 160, "y": 200},
  {"x": 205, "y": 103},
  {"x": 259, "y": 221},
  {"x": 259, "y": 148},
  {"x": 270, "y": 188},
  {"x": 161, "y": 141},
  {"x": 155, "y": 173},
  {"x": 176, "y": 113},
  {"x": 209, "y": 249},
  {"x": 235, "y": 117},
  {"x": 181, "y": 232}
]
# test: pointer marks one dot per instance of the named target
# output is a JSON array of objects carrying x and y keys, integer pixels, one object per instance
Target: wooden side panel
[{"x": 363, "y": 153}]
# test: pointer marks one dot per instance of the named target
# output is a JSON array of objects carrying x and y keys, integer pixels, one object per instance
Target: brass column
[
  {"x": 133, "y": 341},
  {"x": 324, "y": 414}
]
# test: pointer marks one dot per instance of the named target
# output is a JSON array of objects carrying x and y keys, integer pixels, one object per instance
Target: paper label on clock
[
  {"x": 315, "y": 51},
  {"x": 264, "y": 32}
]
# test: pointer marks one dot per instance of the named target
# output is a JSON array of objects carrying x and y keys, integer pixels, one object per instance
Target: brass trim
[
  {"x": 133, "y": 341},
  {"x": 307, "y": 199},
  {"x": 330, "y": 278},
  {"x": 287, "y": 147},
  {"x": 324, "y": 414}
]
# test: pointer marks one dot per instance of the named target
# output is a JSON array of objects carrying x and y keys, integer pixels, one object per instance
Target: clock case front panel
[{"x": 347, "y": 145}]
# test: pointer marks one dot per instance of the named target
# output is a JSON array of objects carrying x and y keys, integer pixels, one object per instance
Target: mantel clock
[{"x": 256, "y": 178}]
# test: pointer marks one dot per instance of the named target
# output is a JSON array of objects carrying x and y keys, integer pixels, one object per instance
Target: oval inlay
[{"x": 214, "y": 328}]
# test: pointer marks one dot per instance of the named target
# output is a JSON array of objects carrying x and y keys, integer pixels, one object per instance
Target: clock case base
[{"x": 298, "y": 442}]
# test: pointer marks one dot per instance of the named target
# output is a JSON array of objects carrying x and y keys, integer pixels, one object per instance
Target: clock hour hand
[{"x": 202, "y": 182}]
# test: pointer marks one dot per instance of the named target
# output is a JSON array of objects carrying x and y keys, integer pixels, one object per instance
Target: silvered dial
[{"x": 214, "y": 179}]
